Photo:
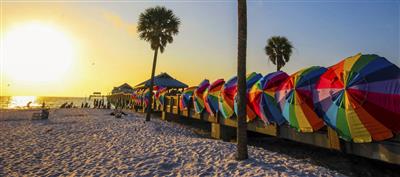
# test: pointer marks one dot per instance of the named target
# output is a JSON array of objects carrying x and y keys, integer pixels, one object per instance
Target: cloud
[{"x": 119, "y": 23}]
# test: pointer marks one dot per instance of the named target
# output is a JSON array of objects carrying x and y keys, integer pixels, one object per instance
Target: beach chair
[
  {"x": 43, "y": 114},
  {"x": 118, "y": 115}
]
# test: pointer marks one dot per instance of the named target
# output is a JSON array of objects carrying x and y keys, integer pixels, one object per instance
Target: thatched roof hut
[{"x": 163, "y": 80}]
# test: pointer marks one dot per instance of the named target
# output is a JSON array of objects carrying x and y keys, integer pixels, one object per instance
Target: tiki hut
[{"x": 163, "y": 80}]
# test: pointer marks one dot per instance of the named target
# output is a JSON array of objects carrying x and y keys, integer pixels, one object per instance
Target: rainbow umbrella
[
  {"x": 359, "y": 97},
  {"x": 133, "y": 97},
  {"x": 251, "y": 79},
  {"x": 295, "y": 95},
  {"x": 262, "y": 97},
  {"x": 198, "y": 96},
  {"x": 185, "y": 98},
  {"x": 146, "y": 97},
  {"x": 138, "y": 97},
  {"x": 226, "y": 98},
  {"x": 160, "y": 95},
  {"x": 211, "y": 96}
]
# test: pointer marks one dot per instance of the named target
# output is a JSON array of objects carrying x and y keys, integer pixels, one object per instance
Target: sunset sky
[{"x": 93, "y": 45}]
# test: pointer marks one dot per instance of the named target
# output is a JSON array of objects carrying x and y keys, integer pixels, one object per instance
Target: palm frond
[
  {"x": 158, "y": 25},
  {"x": 278, "y": 50}
]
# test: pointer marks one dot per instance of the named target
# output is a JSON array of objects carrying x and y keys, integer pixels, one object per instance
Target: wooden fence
[{"x": 221, "y": 128}]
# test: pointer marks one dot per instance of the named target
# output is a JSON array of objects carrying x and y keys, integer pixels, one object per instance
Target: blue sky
[{"x": 321, "y": 32}]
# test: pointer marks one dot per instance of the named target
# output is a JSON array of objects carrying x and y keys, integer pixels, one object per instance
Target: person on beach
[
  {"x": 45, "y": 113},
  {"x": 29, "y": 104}
]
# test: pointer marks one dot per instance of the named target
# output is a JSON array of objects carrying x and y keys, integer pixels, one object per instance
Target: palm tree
[
  {"x": 278, "y": 49},
  {"x": 157, "y": 25},
  {"x": 241, "y": 75}
]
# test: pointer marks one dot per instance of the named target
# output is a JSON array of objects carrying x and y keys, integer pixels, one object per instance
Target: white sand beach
[{"x": 91, "y": 142}]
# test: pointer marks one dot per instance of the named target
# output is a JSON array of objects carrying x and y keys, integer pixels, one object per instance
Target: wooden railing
[{"x": 388, "y": 151}]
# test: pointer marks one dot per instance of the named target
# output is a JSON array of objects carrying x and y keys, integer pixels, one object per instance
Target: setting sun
[{"x": 37, "y": 52}]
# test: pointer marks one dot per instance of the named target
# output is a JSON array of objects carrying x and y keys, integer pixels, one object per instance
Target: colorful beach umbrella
[
  {"x": 211, "y": 96},
  {"x": 138, "y": 96},
  {"x": 198, "y": 96},
  {"x": 146, "y": 97},
  {"x": 160, "y": 95},
  {"x": 295, "y": 99},
  {"x": 226, "y": 98},
  {"x": 251, "y": 79},
  {"x": 185, "y": 97},
  {"x": 360, "y": 98},
  {"x": 262, "y": 97},
  {"x": 133, "y": 97}
]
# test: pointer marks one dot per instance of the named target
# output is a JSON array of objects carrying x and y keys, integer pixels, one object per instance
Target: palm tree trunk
[
  {"x": 241, "y": 74},
  {"x": 279, "y": 61},
  {"x": 277, "y": 66},
  {"x": 153, "y": 70}
]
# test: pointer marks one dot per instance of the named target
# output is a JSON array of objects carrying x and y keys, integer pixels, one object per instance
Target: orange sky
[{"x": 107, "y": 52}]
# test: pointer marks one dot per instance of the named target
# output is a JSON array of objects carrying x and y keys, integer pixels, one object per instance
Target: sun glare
[
  {"x": 23, "y": 102},
  {"x": 36, "y": 52}
]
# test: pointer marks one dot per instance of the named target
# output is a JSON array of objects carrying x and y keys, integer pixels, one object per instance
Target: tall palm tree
[
  {"x": 279, "y": 49},
  {"x": 241, "y": 75},
  {"x": 157, "y": 25}
]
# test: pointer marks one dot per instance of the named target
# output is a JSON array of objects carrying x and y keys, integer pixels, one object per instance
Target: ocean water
[{"x": 21, "y": 102}]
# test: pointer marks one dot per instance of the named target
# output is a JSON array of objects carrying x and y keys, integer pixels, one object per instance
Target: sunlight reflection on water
[{"x": 23, "y": 102}]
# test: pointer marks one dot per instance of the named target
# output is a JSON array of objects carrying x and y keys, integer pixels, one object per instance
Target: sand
[{"x": 91, "y": 142}]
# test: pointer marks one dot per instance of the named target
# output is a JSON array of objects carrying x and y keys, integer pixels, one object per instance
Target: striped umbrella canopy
[
  {"x": 185, "y": 97},
  {"x": 295, "y": 99},
  {"x": 198, "y": 96},
  {"x": 262, "y": 97},
  {"x": 251, "y": 79},
  {"x": 139, "y": 96},
  {"x": 360, "y": 98},
  {"x": 133, "y": 97},
  {"x": 211, "y": 96},
  {"x": 146, "y": 96},
  {"x": 160, "y": 95},
  {"x": 226, "y": 98}
]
